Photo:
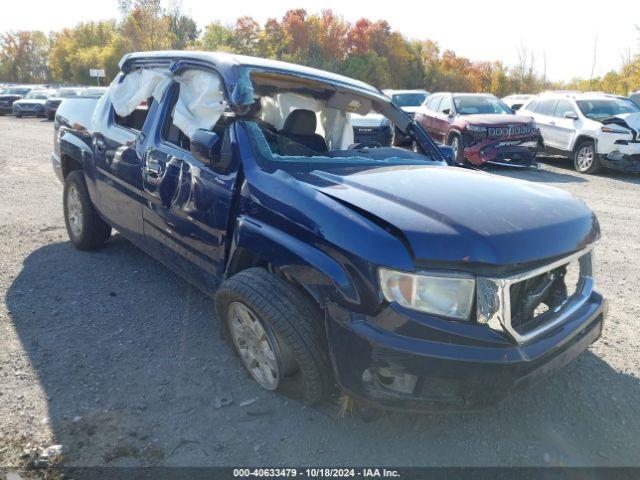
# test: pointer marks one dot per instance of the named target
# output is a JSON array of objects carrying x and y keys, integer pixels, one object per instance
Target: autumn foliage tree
[{"x": 367, "y": 50}]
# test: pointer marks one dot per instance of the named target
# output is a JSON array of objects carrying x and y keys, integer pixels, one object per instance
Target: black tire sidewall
[
  {"x": 459, "y": 158},
  {"x": 297, "y": 330}
]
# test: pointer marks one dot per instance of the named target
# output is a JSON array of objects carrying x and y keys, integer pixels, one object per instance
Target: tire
[
  {"x": 294, "y": 331},
  {"x": 18, "y": 115},
  {"x": 50, "y": 116},
  {"x": 86, "y": 230},
  {"x": 458, "y": 152},
  {"x": 585, "y": 158}
]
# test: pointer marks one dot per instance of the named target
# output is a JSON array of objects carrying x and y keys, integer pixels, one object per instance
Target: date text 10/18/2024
[{"x": 315, "y": 473}]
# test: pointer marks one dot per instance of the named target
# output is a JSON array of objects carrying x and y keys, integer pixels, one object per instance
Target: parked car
[
  {"x": 370, "y": 266},
  {"x": 93, "y": 91},
  {"x": 594, "y": 129},
  {"x": 516, "y": 101},
  {"x": 409, "y": 101},
  {"x": 481, "y": 128},
  {"x": 635, "y": 97},
  {"x": 52, "y": 103},
  {"x": 10, "y": 95},
  {"x": 374, "y": 127},
  {"x": 33, "y": 104}
]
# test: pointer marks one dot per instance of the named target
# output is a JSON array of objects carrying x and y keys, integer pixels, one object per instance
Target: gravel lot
[{"x": 115, "y": 358}]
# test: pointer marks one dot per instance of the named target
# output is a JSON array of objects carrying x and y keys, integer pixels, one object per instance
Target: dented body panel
[{"x": 329, "y": 230}]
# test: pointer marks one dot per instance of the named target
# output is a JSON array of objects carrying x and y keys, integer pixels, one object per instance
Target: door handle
[{"x": 153, "y": 170}]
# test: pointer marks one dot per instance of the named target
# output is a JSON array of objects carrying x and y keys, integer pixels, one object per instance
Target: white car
[
  {"x": 517, "y": 100},
  {"x": 595, "y": 129},
  {"x": 375, "y": 128}
]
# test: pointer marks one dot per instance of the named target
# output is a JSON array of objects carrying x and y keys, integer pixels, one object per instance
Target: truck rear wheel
[
  {"x": 277, "y": 333},
  {"x": 585, "y": 158},
  {"x": 86, "y": 230}
]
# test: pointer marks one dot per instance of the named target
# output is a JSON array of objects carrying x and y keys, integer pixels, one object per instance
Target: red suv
[{"x": 481, "y": 128}]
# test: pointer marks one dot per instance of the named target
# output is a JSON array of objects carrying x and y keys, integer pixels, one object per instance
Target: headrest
[{"x": 300, "y": 122}]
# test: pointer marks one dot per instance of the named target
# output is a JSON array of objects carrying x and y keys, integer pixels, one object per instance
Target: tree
[
  {"x": 182, "y": 28},
  {"x": 24, "y": 57},
  {"x": 76, "y": 50}
]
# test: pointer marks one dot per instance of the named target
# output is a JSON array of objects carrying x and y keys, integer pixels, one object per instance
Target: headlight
[
  {"x": 615, "y": 130},
  {"x": 476, "y": 129},
  {"x": 439, "y": 295}
]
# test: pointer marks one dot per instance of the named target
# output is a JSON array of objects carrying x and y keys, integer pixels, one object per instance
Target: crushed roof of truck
[{"x": 224, "y": 62}]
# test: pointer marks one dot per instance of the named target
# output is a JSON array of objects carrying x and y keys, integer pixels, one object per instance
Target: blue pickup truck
[{"x": 409, "y": 283}]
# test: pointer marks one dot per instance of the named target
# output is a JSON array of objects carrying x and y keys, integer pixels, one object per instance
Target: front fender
[{"x": 322, "y": 276}]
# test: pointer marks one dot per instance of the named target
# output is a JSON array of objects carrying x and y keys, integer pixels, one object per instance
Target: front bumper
[
  {"x": 381, "y": 134},
  {"x": 443, "y": 365},
  {"x": 57, "y": 166},
  {"x": 26, "y": 112},
  {"x": 622, "y": 163},
  {"x": 517, "y": 152}
]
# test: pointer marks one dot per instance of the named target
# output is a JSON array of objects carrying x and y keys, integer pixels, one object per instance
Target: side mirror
[
  {"x": 447, "y": 153},
  {"x": 202, "y": 144},
  {"x": 571, "y": 115}
]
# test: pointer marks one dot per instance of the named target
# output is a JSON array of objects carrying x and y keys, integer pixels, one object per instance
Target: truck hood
[
  {"x": 33, "y": 101},
  {"x": 495, "y": 119},
  {"x": 369, "y": 120},
  {"x": 411, "y": 110},
  {"x": 447, "y": 214},
  {"x": 10, "y": 97}
]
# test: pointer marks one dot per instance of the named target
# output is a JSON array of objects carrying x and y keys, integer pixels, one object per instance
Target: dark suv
[{"x": 481, "y": 128}]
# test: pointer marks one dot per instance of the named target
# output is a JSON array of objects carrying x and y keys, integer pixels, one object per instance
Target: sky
[{"x": 563, "y": 31}]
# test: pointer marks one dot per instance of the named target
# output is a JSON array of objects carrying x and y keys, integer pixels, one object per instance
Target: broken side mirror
[
  {"x": 203, "y": 143},
  {"x": 571, "y": 115}
]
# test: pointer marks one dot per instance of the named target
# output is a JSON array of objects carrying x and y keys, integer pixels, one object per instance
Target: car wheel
[
  {"x": 585, "y": 159},
  {"x": 50, "y": 116},
  {"x": 277, "y": 333},
  {"x": 86, "y": 230},
  {"x": 458, "y": 149},
  {"x": 18, "y": 115}
]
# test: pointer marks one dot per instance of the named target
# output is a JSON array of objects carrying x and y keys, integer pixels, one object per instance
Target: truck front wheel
[
  {"x": 277, "y": 334},
  {"x": 86, "y": 230}
]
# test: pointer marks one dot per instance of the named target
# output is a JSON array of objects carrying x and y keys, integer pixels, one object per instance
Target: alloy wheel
[
  {"x": 254, "y": 345},
  {"x": 584, "y": 158},
  {"x": 74, "y": 211}
]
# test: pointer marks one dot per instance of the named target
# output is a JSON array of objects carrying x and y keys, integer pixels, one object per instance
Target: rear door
[
  {"x": 426, "y": 115},
  {"x": 118, "y": 169},
  {"x": 187, "y": 209},
  {"x": 442, "y": 119},
  {"x": 545, "y": 121},
  {"x": 564, "y": 129}
]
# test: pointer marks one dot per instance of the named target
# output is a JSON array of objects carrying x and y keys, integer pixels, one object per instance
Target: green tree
[{"x": 24, "y": 57}]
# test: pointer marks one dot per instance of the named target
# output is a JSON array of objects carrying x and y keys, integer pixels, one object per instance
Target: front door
[{"x": 187, "y": 205}]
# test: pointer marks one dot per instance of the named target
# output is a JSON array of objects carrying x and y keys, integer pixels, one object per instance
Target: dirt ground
[{"x": 116, "y": 359}]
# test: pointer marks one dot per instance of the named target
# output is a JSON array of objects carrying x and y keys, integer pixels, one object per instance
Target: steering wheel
[{"x": 367, "y": 144}]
